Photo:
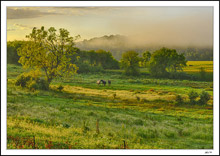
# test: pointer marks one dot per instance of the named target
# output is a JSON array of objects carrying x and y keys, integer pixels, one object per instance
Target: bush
[
  {"x": 60, "y": 88},
  {"x": 192, "y": 97},
  {"x": 32, "y": 80},
  {"x": 179, "y": 100},
  {"x": 42, "y": 84},
  {"x": 204, "y": 98},
  {"x": 22, "y": 80},
  {"x": 86, "y": 67},
  {"x": 32, "y": 85}
]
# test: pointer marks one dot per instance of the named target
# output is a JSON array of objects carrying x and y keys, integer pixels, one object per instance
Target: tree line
[
  {"x": 55, "y": 54},
  {"x": 160, "y": 63}
]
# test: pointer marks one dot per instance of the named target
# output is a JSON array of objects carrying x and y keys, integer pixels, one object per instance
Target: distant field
[
  {"x": 131, "y": 113},
  {"x": 195, "y": 66}
]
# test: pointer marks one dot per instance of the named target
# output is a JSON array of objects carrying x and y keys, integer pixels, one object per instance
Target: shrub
[
  {"x": 60, "y": 88},
  {"x": 22, "y": 80},
  {"x": 39, "y": 83},
  {"x": 32, "y": 80},
  {"x": 42, "y": 84},
  {"x": 179, "y": 100},
  {"x": 32, "y": 85},
  {"x": 192, "y": 97},
  {"x": 204, "y": 98}
]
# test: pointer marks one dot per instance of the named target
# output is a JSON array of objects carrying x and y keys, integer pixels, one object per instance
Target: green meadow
[{"x": 131, "y": 113}]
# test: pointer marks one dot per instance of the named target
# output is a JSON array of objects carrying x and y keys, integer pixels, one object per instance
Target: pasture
[
  {"x": 131, "y": 113},
  {"x": 195, "y": 66}
]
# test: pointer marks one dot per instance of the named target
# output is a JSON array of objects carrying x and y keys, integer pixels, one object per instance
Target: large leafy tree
[
  {"x": 130, "y": 63},
  {"x": 49, "y": 51},
  {"x": 166, "y": 60}
]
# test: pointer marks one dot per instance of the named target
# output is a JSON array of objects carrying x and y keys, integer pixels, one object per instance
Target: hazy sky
[{"x": 156, "y": 25}]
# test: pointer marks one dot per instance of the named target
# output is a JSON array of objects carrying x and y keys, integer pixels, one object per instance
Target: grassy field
[
  {"x": 195, "y": 66},
  {"x": 132, "y": 113}
]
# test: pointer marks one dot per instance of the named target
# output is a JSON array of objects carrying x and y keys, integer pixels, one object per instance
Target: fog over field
[{"x": 160, "y": 26}]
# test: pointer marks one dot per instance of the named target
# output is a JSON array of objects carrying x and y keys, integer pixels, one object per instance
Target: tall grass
[{"x": 67, "y": 118}]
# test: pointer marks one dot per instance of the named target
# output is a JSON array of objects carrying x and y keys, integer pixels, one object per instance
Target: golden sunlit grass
[{"x": 120, "y": 94}]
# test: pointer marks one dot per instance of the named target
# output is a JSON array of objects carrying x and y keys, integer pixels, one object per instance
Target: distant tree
[
  {"x": 49, "y": 51},
  {"x": 12, "y": 56},
  {"x": 164, "y": 61},
  {"x": 130, "y": 63},
  {"x": 106, "y": 59},
  {"x": 94, "y": 61},
  {"x": 146, "y": 58}
]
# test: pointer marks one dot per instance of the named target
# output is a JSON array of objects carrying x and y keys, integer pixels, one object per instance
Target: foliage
[
  {"x": 60, "y": 88},
  {"x": 40, "y": 84},
  {"x": 12, "y": 56},
  {"x": 192, "y": 97},
  {"x": 86, "y": 67},
  {"x": 106, "y": 60},
  {"x": 32, "y": 80},
  {"x": 166, "y": 60},
  {"x": 145, "y": 58},
  {"x": 204, "y": 98},
  {"x": 49, "y": 51},
  {"x": 22, "y": 80},
  {"x": 130, "y": 63},
  {"x": 93, "y": 60},
  {"x": 179, "y": 100}
]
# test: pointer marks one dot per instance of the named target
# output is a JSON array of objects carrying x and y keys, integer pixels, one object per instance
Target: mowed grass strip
[{"x": 121, "y": 94}]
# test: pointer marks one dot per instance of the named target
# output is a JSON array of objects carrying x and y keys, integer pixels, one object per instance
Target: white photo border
[{"x": 5, "y": 4}]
